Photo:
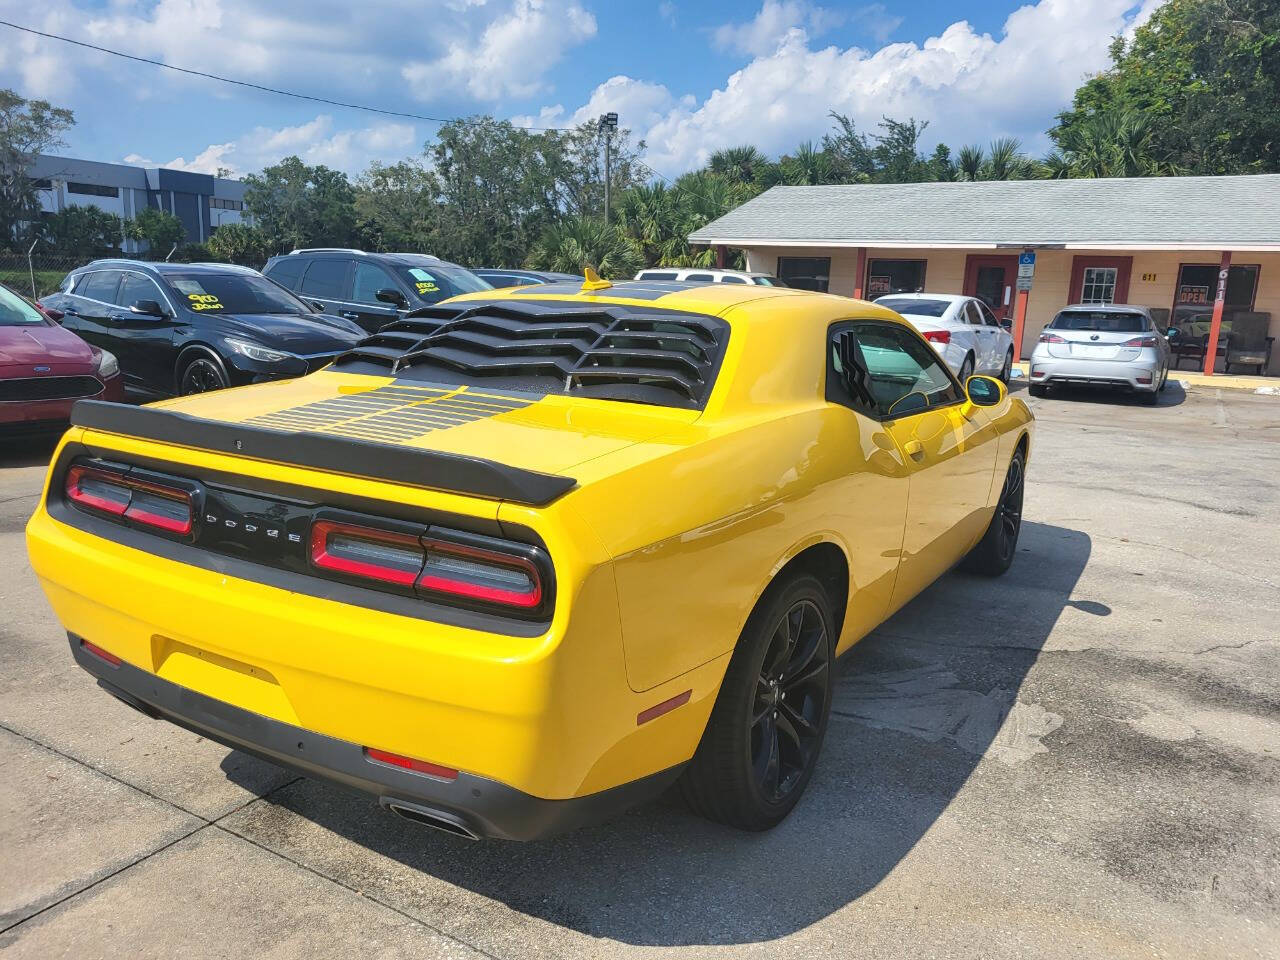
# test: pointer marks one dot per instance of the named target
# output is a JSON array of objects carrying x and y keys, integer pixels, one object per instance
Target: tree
[
  {"x": 239, "y": 243},
  {"x": 81, "y": 231},
  {"x": 396, "y": 207},
  {"x": 575, "y": 160},
  {"x": 297, "y": 205},
  {"x": 28, "y": 128},
  {"x": 1115, "y": 143},
  {"x": 1004, "y": 160},
  {"x": 1203, "y": 76},
  {"x": 158, "y": 229},
  {"x": 850, "y": 152},
  {"x": 744, "y": 164},
  {"x": 576, "y": 242}
]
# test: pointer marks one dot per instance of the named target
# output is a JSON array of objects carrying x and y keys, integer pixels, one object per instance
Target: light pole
[{"x": 608, "y": 122}]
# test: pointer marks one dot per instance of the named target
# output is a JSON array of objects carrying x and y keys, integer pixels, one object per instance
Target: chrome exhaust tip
[{"x": 426, "y": 816}]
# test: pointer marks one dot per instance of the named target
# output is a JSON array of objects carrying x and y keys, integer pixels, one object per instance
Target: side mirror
[
  {"x": 1006, "y": 322},
  {"x": 393, "y": 297},
  {"x": 984, "y": 391},
  {"x": 149, "y": 308}
]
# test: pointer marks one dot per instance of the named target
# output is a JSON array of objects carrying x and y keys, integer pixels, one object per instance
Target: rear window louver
[{"x": 615, "y": 352}]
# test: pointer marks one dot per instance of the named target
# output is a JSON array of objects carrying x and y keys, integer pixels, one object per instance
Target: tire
[
  {"x": 966, "y": 369},
  {"x": 201, "y": 373},
  {"x": 1038, "y": 390},
  {"x": 995, "y": 551},
  {"x": 1007, "y": 372},
  {"x": 749, "y": 774},
  {"x": 1164, "y": 380}
]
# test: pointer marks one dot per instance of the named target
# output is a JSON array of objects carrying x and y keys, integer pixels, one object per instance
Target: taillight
[
  {"x": 938, "y": 336},
  {"x": 489, "y": 573},
  {"x": 366, "y": 552},
  {"x": 147, "y": 504},
  {"x": 1140, "y": 342},
  {"x": 474, "y": 573},
  {"x": 1051, "y": 338}
]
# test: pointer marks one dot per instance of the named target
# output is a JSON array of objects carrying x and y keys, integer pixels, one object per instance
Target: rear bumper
[
  {"x": 470, "y": 805},
  {"x": 1142, "y": 374}
]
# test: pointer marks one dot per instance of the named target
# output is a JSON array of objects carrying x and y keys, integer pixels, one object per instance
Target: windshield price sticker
[
  {"x": 426, "y": 286},
  {"x": 204, "y": 301}
]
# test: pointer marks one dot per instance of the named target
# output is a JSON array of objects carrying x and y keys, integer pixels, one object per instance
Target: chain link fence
[{"x": 44, "y": 273}]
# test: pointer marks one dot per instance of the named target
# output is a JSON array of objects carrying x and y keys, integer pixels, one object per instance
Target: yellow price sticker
[
  {"x": 204, "y": 301},
  {"x": 425, "y": 286}
]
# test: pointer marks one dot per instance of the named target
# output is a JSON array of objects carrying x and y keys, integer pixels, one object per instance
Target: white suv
[{"x": 702, "y": 275}]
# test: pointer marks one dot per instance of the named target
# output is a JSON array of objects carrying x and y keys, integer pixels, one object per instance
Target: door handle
[
  {"x": 350, "y": 315},
  {"x": 914, "y": 449}
]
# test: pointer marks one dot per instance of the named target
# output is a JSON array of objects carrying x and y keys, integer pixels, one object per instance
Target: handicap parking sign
[{"x": 1027, "y": 259}]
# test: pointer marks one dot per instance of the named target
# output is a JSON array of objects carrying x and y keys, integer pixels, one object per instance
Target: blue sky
[{"x": 687, "y": 77}]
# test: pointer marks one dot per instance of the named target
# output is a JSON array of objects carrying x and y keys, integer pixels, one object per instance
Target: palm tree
[
  {"x": 1115, "y": 143},
  {"x": 743, "y": 164},
  {"x": 576, "y": 242},
  {"x": 970, "y": 161},
  {"x": 808, "y": 166}
]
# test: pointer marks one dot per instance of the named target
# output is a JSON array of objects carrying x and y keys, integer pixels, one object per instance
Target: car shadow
[
  {"x": 1174, "y": 393},
  {"x": 919, "y": 704},
  {"x": 28, "y": 451}
]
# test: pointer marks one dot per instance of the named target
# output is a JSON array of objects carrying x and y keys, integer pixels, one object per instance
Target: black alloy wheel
[
  {"x": 790, "y": 701},
  {"x": 995, "y": 551},
  {"x": 200, "y": 376},
  {"x": 762, "y": 741}
]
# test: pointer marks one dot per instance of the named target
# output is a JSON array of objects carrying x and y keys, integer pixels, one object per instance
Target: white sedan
[{"x": 963, "y": 330}]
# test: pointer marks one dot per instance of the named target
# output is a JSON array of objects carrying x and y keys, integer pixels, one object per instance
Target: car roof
[
  {"x": 163, "y": 268},
  {"x": 715, "y": 271},
  {"x": 1108, "y": 308},
  {"x": 402, "y": 257},
  {"x": 949, "y": 297}
]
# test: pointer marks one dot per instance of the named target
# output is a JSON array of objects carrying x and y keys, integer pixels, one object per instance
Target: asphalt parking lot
[{"x": 1081, "y": 759}]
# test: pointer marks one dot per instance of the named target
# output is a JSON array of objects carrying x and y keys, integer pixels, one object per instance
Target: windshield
[
  {"x": 16, "y": 312},
  {"x": 921, "y": 308},
  {"x": 234, "y": 293},
  {"x": 434, "y": 281},
  {"x": 1102, "y": 321}
]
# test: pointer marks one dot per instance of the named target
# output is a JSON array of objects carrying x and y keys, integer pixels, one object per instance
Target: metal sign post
[{"x": 1026, "y": 273}]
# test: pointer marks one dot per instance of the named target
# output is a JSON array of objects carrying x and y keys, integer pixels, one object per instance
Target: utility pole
[{"x": 608, "y": 122}]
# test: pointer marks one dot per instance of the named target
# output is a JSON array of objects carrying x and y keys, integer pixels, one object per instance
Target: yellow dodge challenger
[{"x": 528, "y": 557}]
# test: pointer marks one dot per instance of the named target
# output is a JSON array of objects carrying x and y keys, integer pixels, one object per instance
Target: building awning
[{"x": 1144, "y": 213}]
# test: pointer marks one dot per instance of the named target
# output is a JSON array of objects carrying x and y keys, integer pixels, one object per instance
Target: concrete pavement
[{"x": 1078, "y": 759}]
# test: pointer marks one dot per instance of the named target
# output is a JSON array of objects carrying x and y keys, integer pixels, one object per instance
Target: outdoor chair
[
  {"x": 1190, "y": 340},
  {"x": 1250, "y": 346}
]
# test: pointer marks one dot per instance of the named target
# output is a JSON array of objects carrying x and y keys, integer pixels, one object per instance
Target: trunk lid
[
  {"x": 543, "y": 434},
  {"x": 1094, "y": 345}
]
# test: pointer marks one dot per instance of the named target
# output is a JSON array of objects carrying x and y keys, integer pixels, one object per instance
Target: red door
[{"x": 991, "y": 280}]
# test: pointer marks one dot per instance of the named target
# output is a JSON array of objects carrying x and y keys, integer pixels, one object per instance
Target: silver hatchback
[{"x": 1102, "y": 345}]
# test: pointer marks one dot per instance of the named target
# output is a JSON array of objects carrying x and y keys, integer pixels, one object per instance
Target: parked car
[
  {"x": 701, "y": 275},
  {"x": 1102, "y": 345},
  {"x": 962, "y": 329},
  {"x": 45, "y": 369},
  {"x": 457, "y": 590},
  {"x": 371, "y": 289},
  {"x": 502, "y": 277},
  {"x": 180, "y": 328}
]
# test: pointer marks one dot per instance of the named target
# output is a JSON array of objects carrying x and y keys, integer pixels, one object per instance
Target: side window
[
  {"x": 732, "y": 279},
  {"x": 137, "y": 287},
  {"x": 988, "y": 317},
  {"x": 325, "y": 279},
  {"x": 287, "y": 271},
  {"x": 898, "y": 363},
  {"x": 699, "y": 277},
  {"x": 369, "y": 279},
  {"x": 972, "y": 314},
  {"x": 100, "y": 285}
]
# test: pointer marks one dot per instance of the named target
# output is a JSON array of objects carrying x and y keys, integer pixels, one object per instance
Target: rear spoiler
[{"x": 414, "y": 467}]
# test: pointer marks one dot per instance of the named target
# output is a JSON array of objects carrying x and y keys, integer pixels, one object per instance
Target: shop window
[
  {"x": 1099, "y": 285},
  {"x": 93, "y": 190},
  {"x": 805, "y": 273},
  {"x": 895, "y": 276},
  {"x": 1198, "y": 287}
]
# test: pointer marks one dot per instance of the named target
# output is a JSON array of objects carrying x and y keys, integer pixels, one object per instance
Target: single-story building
[{"x": 1161, "y": 242}]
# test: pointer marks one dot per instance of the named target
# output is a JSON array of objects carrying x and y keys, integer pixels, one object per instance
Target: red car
[{"x": 45, "y": 369}]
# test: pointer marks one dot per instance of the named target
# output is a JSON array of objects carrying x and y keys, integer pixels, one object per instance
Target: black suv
[
  {"x": 180, "y": 328},
  {"x": 370, "y": 288}
]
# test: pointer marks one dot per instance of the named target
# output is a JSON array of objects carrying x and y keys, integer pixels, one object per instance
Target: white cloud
[
  {"x": 774, "y": 24},
  {"x": 510, "y": 56},
  {"x": 486, "y": 48},
  {"x": 667, "y": 11},
  {"x": 878, "y": 23},
  {"x": 316, "y": 142},
  {"x": 969, "y": 85}
]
